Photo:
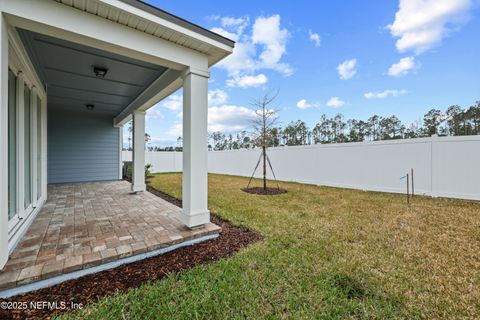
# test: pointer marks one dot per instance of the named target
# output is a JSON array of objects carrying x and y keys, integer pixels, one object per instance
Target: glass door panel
[
  {"x": 39, "y": 148},
  {"x": 12, "y": 146},
  {"x": 28, "y": 148}
]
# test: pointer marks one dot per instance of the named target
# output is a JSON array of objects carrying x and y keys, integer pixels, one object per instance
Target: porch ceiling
[{"x": 67, "y": 70}]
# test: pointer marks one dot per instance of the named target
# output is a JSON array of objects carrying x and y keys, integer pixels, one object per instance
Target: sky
[{"x": 358, "y": 58}]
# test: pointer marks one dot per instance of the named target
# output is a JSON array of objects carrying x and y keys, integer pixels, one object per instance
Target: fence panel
[{"x": 443, "y": 166}]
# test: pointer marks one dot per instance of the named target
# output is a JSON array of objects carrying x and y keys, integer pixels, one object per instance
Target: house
[{"x": 72, "y": 74}]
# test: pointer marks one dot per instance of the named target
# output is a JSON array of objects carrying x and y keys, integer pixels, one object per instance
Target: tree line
[{"x": 455, "y": 121}]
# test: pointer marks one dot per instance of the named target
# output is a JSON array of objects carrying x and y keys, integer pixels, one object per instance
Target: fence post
[
  {"x": 433, "y": 157},
  {"x": 408, "y": 185}
]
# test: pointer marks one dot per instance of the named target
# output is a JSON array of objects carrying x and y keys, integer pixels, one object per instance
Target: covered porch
[
  {"x": 72, "y": 74},
  {"x": 87, "y": 225}
]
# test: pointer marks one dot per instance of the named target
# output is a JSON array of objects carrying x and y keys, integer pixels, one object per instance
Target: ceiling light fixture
[
  {"x": 100, "y": 72},
  {"x": 90, "y": 106}
]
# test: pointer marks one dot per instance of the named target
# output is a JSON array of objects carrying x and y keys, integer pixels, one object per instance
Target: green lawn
[{"x": 328, "y": 253}]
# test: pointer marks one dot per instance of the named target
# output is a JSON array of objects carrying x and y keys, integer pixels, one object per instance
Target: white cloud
[
  {"x": 232, "y": 28},
  {"x": 315, "y": 38},
  {"x": 156, "y": 141},
  {"x": 154, "y": 113},
  {"x": 217, "y": 97},
  {"x": 235, "y": 22},
  {"x": 241, "y": 61},
  {"x": 247, "y": 81},
  {"x": 175, "y": 131},
  {"x": 225, "y": 33},
  {"x": 304, "y": 104},
  {"x": 335, "y": 102},
  {"x": 403, "y": 67},
  {"x": 384, "y": 94},
  {"x": 421, "y": 24},
  {"x": 229, "y": 118},
  {"x": 268, "y": 33},
  {"x": 347, "y": 69},
  {"x": 221, "y": 116},
  {"x": 261, "y": 47},
  {"x": 174, "y": 102}
]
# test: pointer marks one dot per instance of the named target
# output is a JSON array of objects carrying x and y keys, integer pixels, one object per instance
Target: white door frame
[{"x": 20, "y": 64}]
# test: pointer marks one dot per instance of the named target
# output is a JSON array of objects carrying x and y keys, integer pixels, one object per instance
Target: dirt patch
[
  {"x": 268, "y": 191},
  {"x": 91, "y": 288}
]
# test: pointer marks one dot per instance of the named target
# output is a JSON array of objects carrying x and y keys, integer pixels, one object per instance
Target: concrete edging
[{"x": 106, "y": 266}]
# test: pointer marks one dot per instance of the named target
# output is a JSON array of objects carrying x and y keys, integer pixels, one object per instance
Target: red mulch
[
  {"x": 268, "y": 191},
  {"x": 91, "y": 288}
]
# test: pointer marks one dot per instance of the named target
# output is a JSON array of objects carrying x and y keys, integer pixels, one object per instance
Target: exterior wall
[
  {"x": 444, "y": 167},
  {"x": 82, "y": 146}
]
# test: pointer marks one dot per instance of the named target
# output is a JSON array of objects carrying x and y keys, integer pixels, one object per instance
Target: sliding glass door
[{"x": 24, "y": 149}]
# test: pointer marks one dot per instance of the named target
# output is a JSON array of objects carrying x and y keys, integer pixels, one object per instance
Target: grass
[{"x": 328, "y": 253}]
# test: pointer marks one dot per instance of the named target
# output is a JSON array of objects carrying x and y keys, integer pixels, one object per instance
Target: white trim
[
  {"x": 167, "y": 24},
  {"x": 168, "y": 82},
  {"x": 20, "y": 63},
  {"x": 44, "y": 148},
  {"x": 33, "y": 143},
  {"x": 195, "y": 71},
  {"x": 22, "y": 227},
  {"x": 3, "y": 141},
  {"x": 61, "y": 21}
]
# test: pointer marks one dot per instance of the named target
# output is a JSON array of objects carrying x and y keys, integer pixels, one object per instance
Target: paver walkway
[{"x": 87, "y": 224}]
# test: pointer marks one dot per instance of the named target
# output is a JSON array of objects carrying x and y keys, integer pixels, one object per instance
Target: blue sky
[{"x": 357, "y": 58}]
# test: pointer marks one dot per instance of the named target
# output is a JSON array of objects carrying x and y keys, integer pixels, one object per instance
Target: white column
[
  {"x": 138, "y": 158},
  {"x": 195, "y": 184},
  {"x": 120, "y": 154},
  {"x": 3, "y": 142}
]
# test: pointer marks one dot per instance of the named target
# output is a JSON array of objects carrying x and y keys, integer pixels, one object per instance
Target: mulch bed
[
  {"x": 261, "y": 191},
  {"x": 91, "y": 288}
]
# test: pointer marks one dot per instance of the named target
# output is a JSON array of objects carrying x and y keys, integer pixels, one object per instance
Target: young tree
[{"x": 263, "y": 126}]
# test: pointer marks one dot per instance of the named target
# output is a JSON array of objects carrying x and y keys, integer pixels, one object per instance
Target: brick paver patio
[{"x": 87, "y": 224}]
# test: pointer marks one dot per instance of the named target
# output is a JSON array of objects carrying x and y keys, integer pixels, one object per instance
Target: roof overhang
[
  {"x": 154, "y": 21},
  {"x": 129, "y": 28}
]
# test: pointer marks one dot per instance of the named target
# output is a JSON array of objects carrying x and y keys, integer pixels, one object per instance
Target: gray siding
[{"x": 82, "y": 146}]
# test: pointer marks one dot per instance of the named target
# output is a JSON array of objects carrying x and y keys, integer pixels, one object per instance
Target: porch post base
[
  {"x": 195, "y": 220},
  {"x": 139, "y": 187}
]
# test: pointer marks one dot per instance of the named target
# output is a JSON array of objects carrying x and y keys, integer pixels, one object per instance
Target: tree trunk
[{"x": 264, "y": 151}]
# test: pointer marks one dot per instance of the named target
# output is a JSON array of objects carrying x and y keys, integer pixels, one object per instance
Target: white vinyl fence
[{"x": 443, "y": 166}]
